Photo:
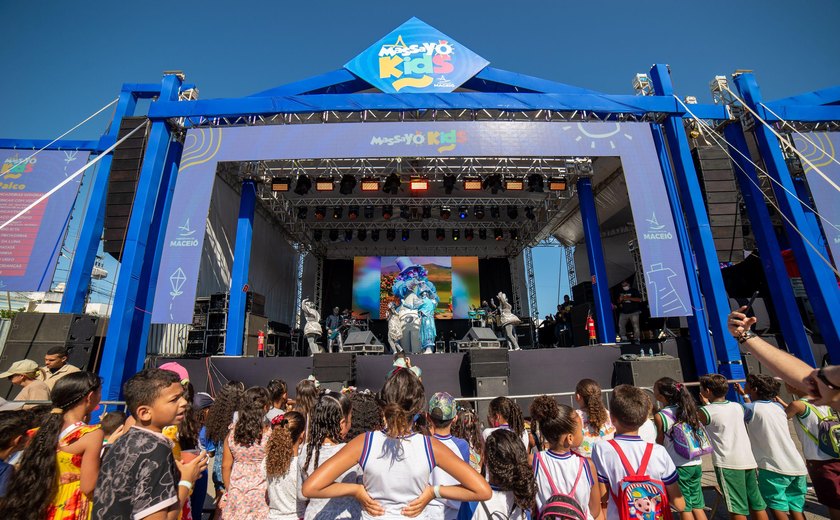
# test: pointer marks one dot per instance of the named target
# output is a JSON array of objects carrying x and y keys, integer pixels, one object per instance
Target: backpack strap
[
  {"x": 645, "y": 459},
  {"x": 541, "y": 465},
  {"x": 577, "y": 478},
  {"x": 626, "y": 463}
]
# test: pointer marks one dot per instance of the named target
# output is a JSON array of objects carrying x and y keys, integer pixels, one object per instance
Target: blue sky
[{"x": 63, "y": 61}]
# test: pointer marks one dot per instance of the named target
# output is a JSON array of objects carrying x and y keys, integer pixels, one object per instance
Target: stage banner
[
  {"x": 206, "y": 147},
  {"x": 821, "y": 149},
  {"x": 30, "y": 246},
  {"x": 416, "y": 57}
]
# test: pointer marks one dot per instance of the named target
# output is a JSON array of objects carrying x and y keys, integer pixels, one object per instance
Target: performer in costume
[
  {"x": 394, "y": 328},
  {"x": 413, "y": 279},
  {"x": 410, "y": 320},
  {"x": 508, "y": 320},
  {"x": 333, "y": 325},
  {"x": 312, "y": 329},
  {"x": 428, "y": 332}
]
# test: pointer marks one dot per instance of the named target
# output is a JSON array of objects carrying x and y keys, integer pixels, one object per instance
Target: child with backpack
[
  {"x": 679, "y": 430},
  {"x": 813, "y": 425},
  {"x": 732, "y": 455},
  {"x": 640, "y": 477},
  {"x": 566, "y": 486},
  {"x": 781, "y": 470},
  {"x": 510, "y": 479}
]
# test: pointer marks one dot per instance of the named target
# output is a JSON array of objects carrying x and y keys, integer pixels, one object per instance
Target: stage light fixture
[
  {"x": 514, "y": 234},
  {"x": 472, "y": 183},
  {"x": 390, "y": 234},
  {"x": 368, "y": 212},
  {"x": 558, "y": 183},
  {"x": 456, "y": 234},
  {"x": 468, "y": 234},
  {"x": 324, "y": 184},
  {"x": 348, "y": 235},
  {"x": 440, "y": 234},
  {"x": 392, "y": 184},
  {"x": 445, "y": 212},
  {"x": 499, "y": 235},
  {"x": 515, "y": 184},
  {"x": 317, "y": 235},
  {"x": 463, "y": 212},
  {"x": 333, "y": 235},
  {"x": 361, "y": 235},
  {"x": 427, "y": 212},
  {"x": 418, "y": 184},
  {"x": 338, "y": 211},
  {"x": 494, "y": 212},
  {"x": 536, "y": 183},
  {"x": 304, "y": 184},
  {"x": 494, "y": 184},
  {"x": 370, "y": 184},
  {"x": 424, "y": 234},
  {"x": 374, "y": 235},
  {"x": 404, "y": 212},
  {"x": 449, "y": 183},
  {"x": 387, "y": 212},
  {"x": 320, "y": 212},
  {"x": 406, "y": 234},
  {"x": 512, "y": 212},
  {"x": 347, "y": 184},
  {"x": 529, "y": 212},
  {"x": 482, "y": 234},
  {"x": 303, "y": 211},
  {"x": 353, "y": 212},
  {"x": 280, "y": 183},
  {"x": 478, "y": 211}
]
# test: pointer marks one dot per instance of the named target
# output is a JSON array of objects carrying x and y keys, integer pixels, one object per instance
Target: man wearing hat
[
  {"x": 442, "y": 411},
  {"x": 412, "y": 280},
  {"x": 24, "y": 373}
]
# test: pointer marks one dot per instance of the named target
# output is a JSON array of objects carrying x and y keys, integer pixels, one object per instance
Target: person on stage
[
  {"x": 428, "y": 332},
  {"x": 333, "y": 325},
  {"x": 312, "y": 330},
  {"x": 629, "y": 308},
  {"x": 508, "y": 320},
  {"x": 412, "y": 279},
  {"x": 410, "y": 320},
  {"x": 395, "y": 330}
]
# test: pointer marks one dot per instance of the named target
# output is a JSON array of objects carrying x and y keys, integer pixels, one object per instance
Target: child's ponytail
[
  {"x": 283, "y": 437},
  {"x": 677, "y": 395},
  {"x": 402, "y": 398}
]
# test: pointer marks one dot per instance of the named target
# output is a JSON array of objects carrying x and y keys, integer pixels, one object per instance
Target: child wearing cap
[
  {"x": 442, "y": 411},
  {"x": 24, "y": 373}
]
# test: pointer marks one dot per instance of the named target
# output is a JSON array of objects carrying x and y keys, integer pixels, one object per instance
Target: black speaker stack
[
  {"x": 644, "y": 371},
  {"x": 32, "y": 334},
  {"x": 336, "y": 370},
  {"x": 207, "y": 337},
  {"x": 490, "y": 369}
]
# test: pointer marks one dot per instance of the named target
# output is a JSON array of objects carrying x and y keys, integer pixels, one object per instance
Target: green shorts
[
  {"x": 740, "y": 490},
  {"x": 691, "y": 486},
  {"x": 782, "y": 492}
]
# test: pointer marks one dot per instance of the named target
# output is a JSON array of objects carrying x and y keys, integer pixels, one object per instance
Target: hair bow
[{"x": 312, "y": 378}]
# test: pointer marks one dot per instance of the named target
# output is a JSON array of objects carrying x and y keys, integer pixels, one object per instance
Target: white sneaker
[{"x": 428, "y": 351}]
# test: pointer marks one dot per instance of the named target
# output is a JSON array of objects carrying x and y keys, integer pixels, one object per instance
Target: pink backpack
[{"x": 561, "y": 506}]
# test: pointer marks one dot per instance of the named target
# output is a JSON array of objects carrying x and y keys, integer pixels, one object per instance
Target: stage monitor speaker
[
  {"x": 253, "y": 325},
  {"x": 361, "y": 337},
  {"x": 480, "y": 334},
  {"x": 489, "y": 363},
  {"x": 644, "y": 372},
  {"x": 489, "y": 387},
  {"x": 580, "y": 337}
]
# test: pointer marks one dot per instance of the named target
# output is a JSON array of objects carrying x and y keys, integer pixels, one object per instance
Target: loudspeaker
[
  {"x": 489, "y": 387},
  {"x": 580, "y": 337},
  {"x": 84, "y": 356},
  {"x": 253, "y": 325},
  {"x": 337, "y": 367},
  {"x": 582, "y": 293},
  {"x": 361, "y": 337},
  {"x": 489, "y": 363},
  {"x": 643, "y": 372},
  {"x": 480, "y": 333},
  {"x": 53, "y": 328}
]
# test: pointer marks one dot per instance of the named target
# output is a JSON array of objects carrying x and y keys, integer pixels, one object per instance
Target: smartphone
[{"x": 750, "y": 303}]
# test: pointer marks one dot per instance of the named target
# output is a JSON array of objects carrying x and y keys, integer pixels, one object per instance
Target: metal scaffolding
[{"x": 532, "y": 284}]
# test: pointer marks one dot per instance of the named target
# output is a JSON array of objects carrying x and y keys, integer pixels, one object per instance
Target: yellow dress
[{"x": 70, "y": 503}]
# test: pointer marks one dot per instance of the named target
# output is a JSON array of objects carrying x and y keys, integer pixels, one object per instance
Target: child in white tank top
[{"x": 396, "y": 466}]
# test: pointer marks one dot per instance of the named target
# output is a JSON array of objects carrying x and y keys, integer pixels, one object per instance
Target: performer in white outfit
[
  {"x": 395, "y": 330},
  {"x": 508, "y": 320},
  {"x": 410, "y": 319},
  {"x": 312, "y": 330}
]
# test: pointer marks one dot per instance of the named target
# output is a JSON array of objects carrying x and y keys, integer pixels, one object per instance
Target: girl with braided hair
[
  {"x": 510, "y": 478},
  {"x": 558, "y": 468},
  {"x": 329, "y": 421},
  {"x": 466, "y": 426},
  {"x": 59, "y": 468},
  {"x": 281, "y": 466},
  {"x": 395, "y": 463},
  {"x": 504, "y": 413},
  {"x": 596, "y": 420}
]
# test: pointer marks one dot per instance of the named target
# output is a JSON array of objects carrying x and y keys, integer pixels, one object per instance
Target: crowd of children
[{"x": 391, "y": 454}]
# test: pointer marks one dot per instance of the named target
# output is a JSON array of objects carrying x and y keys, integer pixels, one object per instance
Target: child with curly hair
[
  {"x": 511, "y": 478},
  {"x": 596, "y": 420},
  {"x": 503, "y": 413},
  {"x": 281, "y": 455},
  {"x": 467, "y": 426}
]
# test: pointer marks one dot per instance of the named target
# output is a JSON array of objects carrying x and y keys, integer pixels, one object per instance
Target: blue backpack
[{"x": 689, "y": 443}]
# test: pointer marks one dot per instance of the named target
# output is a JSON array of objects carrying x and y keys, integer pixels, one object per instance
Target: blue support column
[
  {"x": 711, "y": 280},
  {"x": 604, "y": 325},
  {"x": 121, "y": 341},
  {"x": 781, "y": 291},
  {"x": 820, "y": 282},
  {"x": 154, "y": 250},
  {"x": 239, "y": 272},
  {"x": 698, "y": 325},
  {"x": 90, "y": 234}
]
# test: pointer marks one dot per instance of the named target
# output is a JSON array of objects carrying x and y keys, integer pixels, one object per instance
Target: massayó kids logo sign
[
  {"x": 443, "y": 141},
  {"x": 415, "y": 57}
]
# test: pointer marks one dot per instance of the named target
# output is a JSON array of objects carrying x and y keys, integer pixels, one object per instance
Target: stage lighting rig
[
  {"x": 494, "y": 184},
  {"x": 558, "y": 183},
  {"x": 406, "y": 234},
  {"x": 303, "y": 211},
  {"x": 387, "y": 212},
  {"x": 494, "y": 212},
  {"x": 512, "y": 212},
  {"x": 353, "y": 212},
  {"x": 418, "y": 184},
  {"x": 280, "y": 183},
  {"x": 468, "y": 234},
  {"x": 478, "y": 211},
  {"x": 456, "y": 234},
  {"x": 347, "y": 185},
  {"x": 304, "y": 184},
  {"x": 320, "y": 212},
  {"x": 392, "y": 184},
  {"x": 440, "y": 234},
  {"x": 390, "y": 234},
  {"x": 338, "y": 211},
  {"x": 463, "y": 212},
  {"x": 472, "y": 183},
  {"x": 515, "y": 184},
  {"x": 535, "y": 183},
  {"x": 368, "y": 212},
  {"x": 374, "y": 235},
  {"x": 445, "y": 212},
  {"x": 362, "y": 235},
  {"x": 334, "y": 235},
  {"x": 449, "y": 183},
  {"x": 370, "y": 184},
  {"x": 324, "y": 184}
]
